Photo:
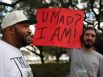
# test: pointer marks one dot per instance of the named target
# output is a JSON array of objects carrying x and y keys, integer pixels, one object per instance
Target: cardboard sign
[{"x": 58, "y": 27}]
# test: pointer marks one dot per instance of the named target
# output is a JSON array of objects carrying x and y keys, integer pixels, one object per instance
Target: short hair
[{"x": 87, "y": 28}]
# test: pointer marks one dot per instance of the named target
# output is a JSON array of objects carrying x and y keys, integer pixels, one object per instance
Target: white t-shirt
[
  {"x": 86, "y": 64},
  {"x": 12, "y": 62}
]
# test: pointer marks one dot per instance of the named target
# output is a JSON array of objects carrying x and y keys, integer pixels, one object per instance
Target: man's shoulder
[
  {"x": 99, "y": 55},
  {"x": 6, "y": 46},
  {"x": 73, "y": 50},
  {"x": 3, "y": 44}
]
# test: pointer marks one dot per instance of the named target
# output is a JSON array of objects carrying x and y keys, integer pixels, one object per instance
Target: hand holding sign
[{"x": 58, "y": 27}]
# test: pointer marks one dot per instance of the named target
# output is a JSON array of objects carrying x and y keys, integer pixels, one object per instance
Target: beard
[
  {"x": 27, "y": 40},
  {"x": 22, "y": 39},
  {"x": 88, "y": 43}
]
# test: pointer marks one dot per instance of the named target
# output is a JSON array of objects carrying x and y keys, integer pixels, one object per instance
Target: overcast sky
[{"x": 7, "y": 1}]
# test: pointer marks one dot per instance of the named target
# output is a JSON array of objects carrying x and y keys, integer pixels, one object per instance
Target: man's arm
[{"x": 100, "y": 70}]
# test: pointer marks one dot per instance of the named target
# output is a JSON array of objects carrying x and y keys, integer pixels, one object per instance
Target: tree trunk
[
  {"x": 42, "y": 59},
  {"x": 57, "y": 59},
  {"x": 41, "y": 54},
  {"x": 57, "y": 56}
]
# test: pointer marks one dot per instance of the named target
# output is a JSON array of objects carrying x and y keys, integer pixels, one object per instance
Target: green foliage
[
  {"x": 30, "y": 3},
  {"x": 50, "y": 70},
  {"x": 99, "y": 43},
  {"x": 53, "y": 50}
]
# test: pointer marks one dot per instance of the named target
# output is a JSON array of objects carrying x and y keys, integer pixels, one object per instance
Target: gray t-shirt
[{"x": 86, "y": 64}]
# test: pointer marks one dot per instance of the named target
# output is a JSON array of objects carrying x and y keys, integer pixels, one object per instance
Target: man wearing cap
[
  {"x": 86, "y": 61},
  {"x": 16, "y": 33}
]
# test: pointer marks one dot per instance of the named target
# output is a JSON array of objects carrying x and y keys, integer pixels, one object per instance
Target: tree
[
  {"x": 34, "y": 50},
  {"x": 30, "y": 6},
  {"x": 99, "y": 44},
  {"x": 55, "y": 51}
]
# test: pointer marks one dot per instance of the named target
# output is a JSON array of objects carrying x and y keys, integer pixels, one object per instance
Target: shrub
[{"x": 50, "y": 70}]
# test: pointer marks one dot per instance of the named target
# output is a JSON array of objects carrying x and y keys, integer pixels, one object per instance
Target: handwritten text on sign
[{"x": 58, "y": 27}]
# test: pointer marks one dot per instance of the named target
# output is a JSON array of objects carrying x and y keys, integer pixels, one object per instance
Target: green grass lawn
[{"x": 50, "y": 70}]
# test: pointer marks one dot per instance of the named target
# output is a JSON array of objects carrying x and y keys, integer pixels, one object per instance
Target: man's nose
[
  {"x": 29, "y": 31},
  {"x": 90, "y": 37}
]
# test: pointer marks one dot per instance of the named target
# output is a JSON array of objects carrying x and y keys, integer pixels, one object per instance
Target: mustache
[
  {"x": 28, "y": 35},
  {"x": 88, "y": 40}
]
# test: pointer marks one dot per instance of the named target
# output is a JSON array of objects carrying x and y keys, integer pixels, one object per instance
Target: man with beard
[
  {"x": 86, "y": 61},
  {"x": 16, "y": 33}
]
